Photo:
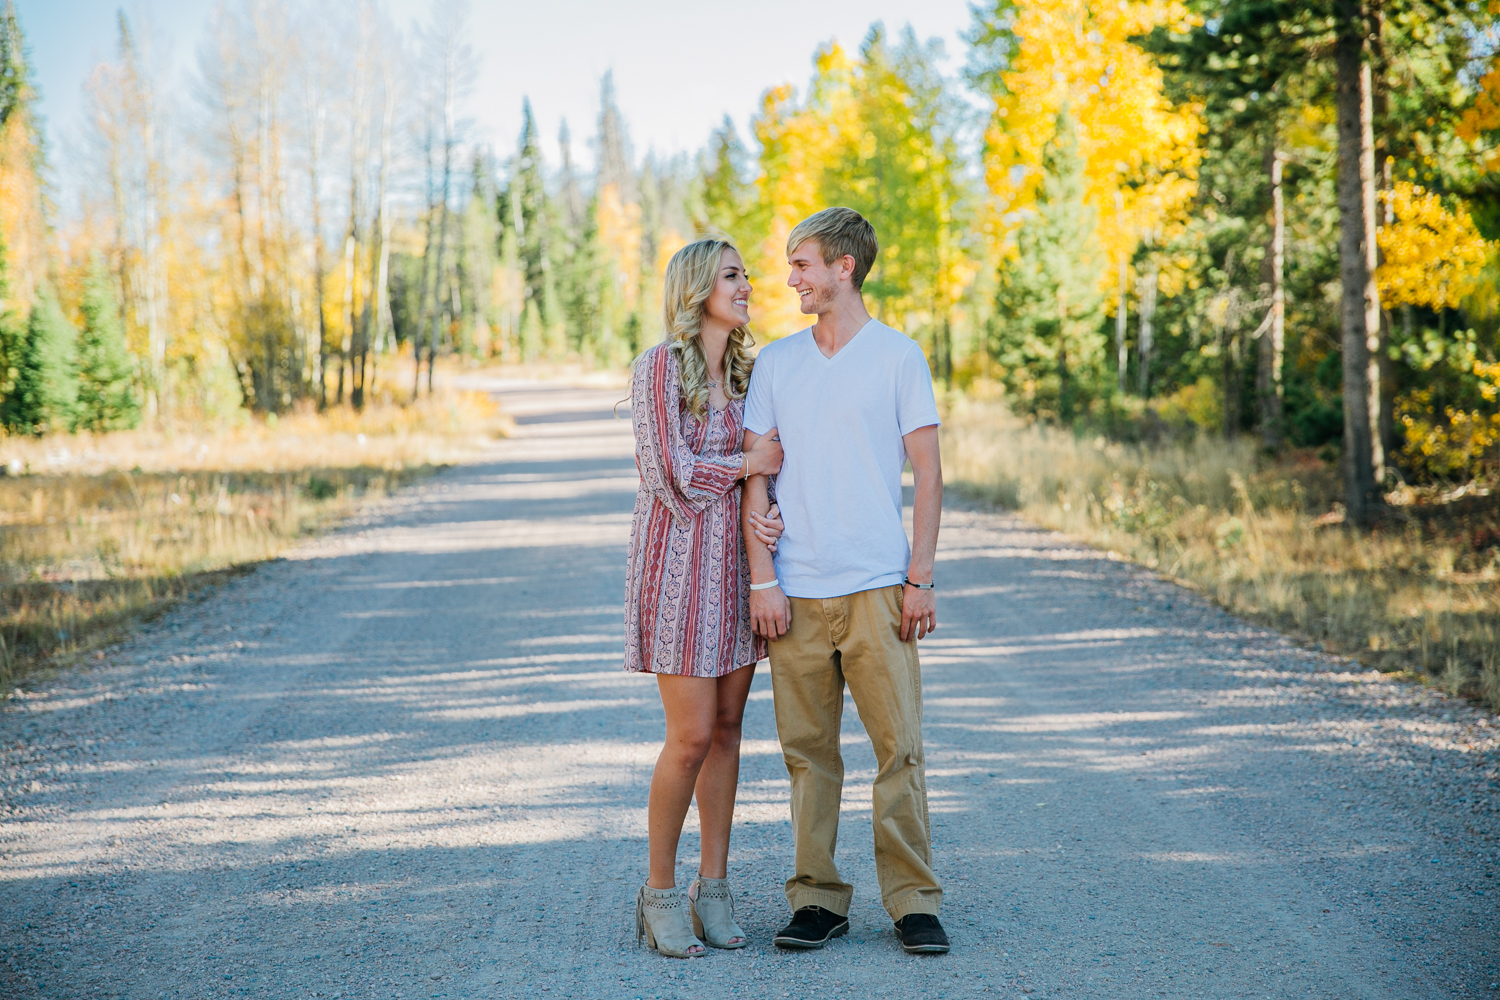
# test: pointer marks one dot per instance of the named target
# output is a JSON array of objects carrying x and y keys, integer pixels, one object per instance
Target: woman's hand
[
  {"x": 767, "y": 527},
  {"x": 764, "y": 457}
]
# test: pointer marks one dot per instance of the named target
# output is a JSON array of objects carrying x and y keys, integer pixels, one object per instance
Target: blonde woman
[{"x": 687, "y": 607}]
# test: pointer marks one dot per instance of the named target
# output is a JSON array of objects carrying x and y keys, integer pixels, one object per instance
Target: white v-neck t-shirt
[{"x": 841, "y": 421}]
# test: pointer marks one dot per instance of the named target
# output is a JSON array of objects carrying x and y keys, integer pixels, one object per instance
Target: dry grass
[
  {"x": 100, "y": 530},
  {"x": 1266, "y": 541}
]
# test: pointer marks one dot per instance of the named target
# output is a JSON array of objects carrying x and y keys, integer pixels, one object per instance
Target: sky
[{"x": 678, "y": 66}]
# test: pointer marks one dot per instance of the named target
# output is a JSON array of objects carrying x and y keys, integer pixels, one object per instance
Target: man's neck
[{"x": 835, "y": 328}]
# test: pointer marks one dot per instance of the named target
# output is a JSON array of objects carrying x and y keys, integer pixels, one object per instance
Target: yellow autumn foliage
[
  {"x": 620, "y": 235},
  {"x": 798, "y": 141},
  {"x": 1457, "y": 445},
  {"x": 1431, "y": 254},
  {"x": 1140, "y": 152},
  {"x": 1484, "y": 116},
  {"x": 869, "y": 133},
  {"x": 23, "y": 223}
]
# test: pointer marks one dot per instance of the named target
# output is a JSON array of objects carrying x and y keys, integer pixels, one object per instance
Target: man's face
[{"x": 816, "y": 283}]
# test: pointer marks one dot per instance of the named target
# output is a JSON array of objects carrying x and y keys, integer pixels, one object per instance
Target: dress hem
[{"x": 678, "y": 673}]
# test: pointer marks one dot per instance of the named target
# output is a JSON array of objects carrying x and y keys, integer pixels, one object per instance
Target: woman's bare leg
[
  {"x": 691, "y": 704},
  {"x": 719, "y": 777}
]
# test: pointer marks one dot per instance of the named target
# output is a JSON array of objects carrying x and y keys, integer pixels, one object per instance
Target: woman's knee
[
  {"x": 691, "y": 743},
  {"x": 728, "y": 723}
]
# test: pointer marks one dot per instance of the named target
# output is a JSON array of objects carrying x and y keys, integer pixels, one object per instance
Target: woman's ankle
[{"x": 651, "y": 883}]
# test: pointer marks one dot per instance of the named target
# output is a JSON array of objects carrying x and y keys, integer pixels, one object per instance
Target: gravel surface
[{"x": 404, "y": 763}]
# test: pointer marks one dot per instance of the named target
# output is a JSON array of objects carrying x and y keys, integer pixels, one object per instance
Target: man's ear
[{"x": 846, "y": 266}]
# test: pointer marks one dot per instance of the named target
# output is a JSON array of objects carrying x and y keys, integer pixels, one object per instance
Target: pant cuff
[
  {"x": 914, "y": 904},
  {"x": 838, "y": 902}
]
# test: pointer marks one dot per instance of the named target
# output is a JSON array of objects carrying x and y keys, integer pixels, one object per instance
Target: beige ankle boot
[
  {"x": 661, "y": 915},
  {"x": 713, "y": 913}
]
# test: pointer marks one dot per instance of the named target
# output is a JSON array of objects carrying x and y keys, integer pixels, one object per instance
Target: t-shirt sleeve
[
  {"x": 760, "y": 413},
  {"x": 916, "y": 407}
]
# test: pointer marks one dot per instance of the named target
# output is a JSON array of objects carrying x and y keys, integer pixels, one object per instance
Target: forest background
[{"x": 1233, "y": 260}]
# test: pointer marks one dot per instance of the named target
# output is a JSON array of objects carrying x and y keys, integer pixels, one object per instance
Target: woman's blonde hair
[{"x": 691, "y": 275}]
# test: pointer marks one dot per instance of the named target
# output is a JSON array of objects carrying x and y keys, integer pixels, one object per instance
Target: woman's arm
[{"x": 670, "y": 470}]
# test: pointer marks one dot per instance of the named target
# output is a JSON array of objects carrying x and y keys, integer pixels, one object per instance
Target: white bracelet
[{"x": 765, "y": 586}]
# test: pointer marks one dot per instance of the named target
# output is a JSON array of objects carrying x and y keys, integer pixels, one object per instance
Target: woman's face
[{"x": 729, "y": 302}]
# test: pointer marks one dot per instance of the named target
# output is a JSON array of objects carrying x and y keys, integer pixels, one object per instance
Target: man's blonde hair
[{"x": 840, "y": 232}]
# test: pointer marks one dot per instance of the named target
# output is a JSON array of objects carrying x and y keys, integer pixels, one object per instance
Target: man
[{"x": 845, "y": 598}]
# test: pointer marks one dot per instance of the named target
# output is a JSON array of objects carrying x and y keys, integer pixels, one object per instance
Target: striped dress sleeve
[{"x": 670, "y": 470}]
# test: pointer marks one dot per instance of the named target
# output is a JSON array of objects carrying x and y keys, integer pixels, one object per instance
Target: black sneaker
[
  {"x": 812, "y": 927},
  {"x": 921, "y": 934}
]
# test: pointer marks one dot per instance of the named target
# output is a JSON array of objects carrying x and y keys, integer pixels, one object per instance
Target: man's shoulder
[
  {"x": 783, "y": 344},
  {"x": 889, "y": 338},
  {"x": 782, "y": 347}
]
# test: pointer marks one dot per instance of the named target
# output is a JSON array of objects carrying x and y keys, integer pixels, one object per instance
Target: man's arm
[
  {"x": 919, "y": 607},
  {"x": 770, "y": 611}
]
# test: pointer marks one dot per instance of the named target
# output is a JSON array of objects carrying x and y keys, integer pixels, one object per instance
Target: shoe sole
[
  {"x": 802, "y": 944},
  {"x": 925, "y": 949}
]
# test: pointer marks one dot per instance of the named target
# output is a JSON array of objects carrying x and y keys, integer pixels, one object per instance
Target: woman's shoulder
[
  {"x": 653, "y": 361},
  {"x": 656, "y": 374}
]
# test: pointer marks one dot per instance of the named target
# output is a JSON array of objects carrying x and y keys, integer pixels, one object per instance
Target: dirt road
[{"x": 405, "y": 763}]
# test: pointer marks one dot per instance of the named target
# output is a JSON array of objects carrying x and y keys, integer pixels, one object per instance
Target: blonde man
[{"x": 844, "y": 598}]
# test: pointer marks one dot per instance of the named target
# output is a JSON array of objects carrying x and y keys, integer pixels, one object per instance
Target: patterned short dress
[{"x": 687, "y": 587}]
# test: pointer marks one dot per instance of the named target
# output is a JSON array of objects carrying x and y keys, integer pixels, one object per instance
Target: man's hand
[
  {"x": 918, "y": 613},
  {"x": 770, "y": 613}
]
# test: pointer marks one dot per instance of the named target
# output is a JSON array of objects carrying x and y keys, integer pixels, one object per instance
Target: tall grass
[
  {"x": 97, "y": 531},
  {"x": 1263, "y": 539}
]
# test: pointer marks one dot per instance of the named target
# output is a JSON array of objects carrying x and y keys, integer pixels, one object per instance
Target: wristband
[
  {"x": 766, "y": 586},
  {"x": 919, "y": 586}
]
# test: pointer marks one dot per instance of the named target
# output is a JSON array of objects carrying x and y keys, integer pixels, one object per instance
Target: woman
[{"x": 687, "y": 611}]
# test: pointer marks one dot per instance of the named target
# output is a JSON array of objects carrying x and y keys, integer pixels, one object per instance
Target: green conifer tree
[
  {"x": 727, "y": 195},
  {"x": 45, "y": 396},
  {"x": 106, "y": 398},
  {"x": 14, "y": 85},
  {"x": 533, "y": 226},
  {"x": 12, "y": 343},
  {"x": 1049, "y": 310},
  {"x": 576, "y": 260}
]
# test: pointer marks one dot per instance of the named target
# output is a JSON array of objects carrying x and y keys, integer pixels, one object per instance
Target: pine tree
[
  {"x": 478, "y": 261},
  {"x": 13, "y": 71},
  {"x": 614, "y": 144},
  {"x": 45, "y": 396},
  {"x": 1049, "y": 308},
  {"x": 727, "y": 195},
  {"x": 578, "y": 286},
  {"x": 577, "y": 258},
  {"x": 106, "y": 398},
  {"x": 531, "y": 221},
  {"x": 12, "y": 343},
  {"x": 617, "y": 216}
]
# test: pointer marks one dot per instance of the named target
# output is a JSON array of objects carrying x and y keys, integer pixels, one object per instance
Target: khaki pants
[{"x": 854, "y": 639}]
